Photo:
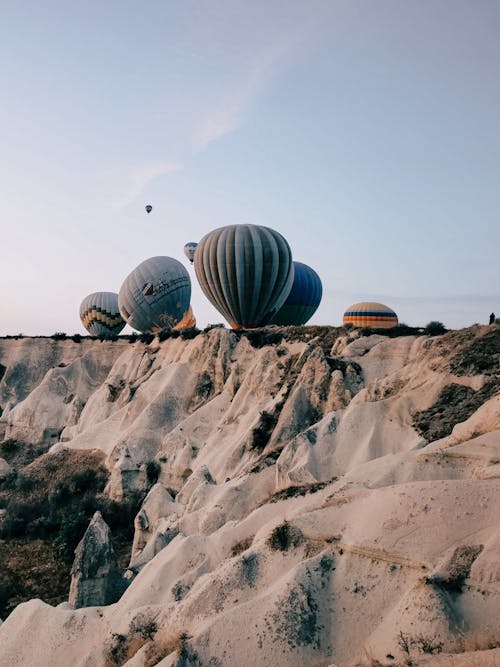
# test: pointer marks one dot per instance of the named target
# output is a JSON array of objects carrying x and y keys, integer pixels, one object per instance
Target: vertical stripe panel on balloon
[
  {"x": 240, "y": 264},
  {"x": 218, "y": 299},
  {"x": 231, "y": 262},
  {"x": 223, "y": 249},
  {"x": 269, "y": 275},
  {"x": 253, "y": 274},
  {"x": 206, "y": 270}
]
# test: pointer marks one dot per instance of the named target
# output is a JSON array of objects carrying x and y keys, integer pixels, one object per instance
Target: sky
[{"x": 364, "y": 131}]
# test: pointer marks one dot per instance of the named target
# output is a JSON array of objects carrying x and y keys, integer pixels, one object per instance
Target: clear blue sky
[{"x": 367, "y": 132}]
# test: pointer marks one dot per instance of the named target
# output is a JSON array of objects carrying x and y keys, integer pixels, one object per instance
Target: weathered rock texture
[
  {"x": 94, "y": 576},
  {"x": 301, "y": 511}
]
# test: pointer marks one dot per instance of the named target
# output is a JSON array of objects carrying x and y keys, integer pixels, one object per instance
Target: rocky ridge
[{"x": 299, "y": 507}]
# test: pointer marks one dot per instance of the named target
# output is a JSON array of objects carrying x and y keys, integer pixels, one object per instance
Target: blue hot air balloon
[
  {"x": 100, "y": 314},
  {"x": 246, "y": 272},
  {"x": 303, "y": 299},
  {"x": 155, "y": 295}
]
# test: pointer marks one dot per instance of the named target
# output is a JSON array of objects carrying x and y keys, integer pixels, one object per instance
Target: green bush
[
  {"x": 435, "y": 328},
  {"x": 153, "y": 470},
  {"x": 262, "y": 432},
  {"x": 188, "y": 333},
  {"x": 285, "y": 537},
  {"x": 259, "y": 338}
]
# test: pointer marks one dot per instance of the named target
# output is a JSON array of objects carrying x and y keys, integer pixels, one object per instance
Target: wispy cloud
[
  {"x": 125, "y": 185},
  {"x": 264, "y": 67}
]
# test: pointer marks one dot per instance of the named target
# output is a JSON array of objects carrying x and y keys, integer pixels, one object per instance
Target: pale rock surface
[
  {"x": 151, "y": 533},
  {"x": 94, "y": 576},
  {"x": 299, "y": 516},
  {"x": 5, "y": 468}
]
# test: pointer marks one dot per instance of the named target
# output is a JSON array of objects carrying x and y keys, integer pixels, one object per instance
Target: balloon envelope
[
  {"x": 189, "y": 320},
  {"x": 189, "y": 250},
  {"x": 148, "y": 208},
  {"x": 303, "y": 299},
  {"x": 246, "y": 272},
  {"x": 100, "y": 314},
  {"x": 155, "y": 295},
  {"x": 370, "y": 314}
]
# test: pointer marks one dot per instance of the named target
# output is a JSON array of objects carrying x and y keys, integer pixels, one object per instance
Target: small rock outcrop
[
  {"x": 5, "y": 468},
  {"x": 151, "y": 531},
  {"x": 94, "y": 576}
]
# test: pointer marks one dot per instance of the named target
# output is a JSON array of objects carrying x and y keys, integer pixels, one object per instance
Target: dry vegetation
[{"x": 46, "y": 507}]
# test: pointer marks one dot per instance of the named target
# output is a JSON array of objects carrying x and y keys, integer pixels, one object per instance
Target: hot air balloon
[
  {"x": 246, "y": 272},
  {"x": 155, "y": 295},
  {"x": 369, "y": 314},
  {"x": 304, "y": 298},
  {"x": 148, "y": 208},
  {"x": 189, "y": 320},
  {"x": 100, "y": 314},
  {"x": 189, "y": 250}
]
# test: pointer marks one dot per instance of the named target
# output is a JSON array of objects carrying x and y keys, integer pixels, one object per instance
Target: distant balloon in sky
[
  {"x": 246, "y": 272},
  {"x": 148, "y": 208},
  {"x": 189, "y": 250},
  {"x": 100, "y": 314},
  {"x": 370, "y": 314},
  {"x": 155, "y": 295},
  {"x": 189, "y": 320},
  {"x": 303, "y": 299}
]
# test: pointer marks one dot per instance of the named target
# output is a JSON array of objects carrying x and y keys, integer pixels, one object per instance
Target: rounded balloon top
[
  {"x": 100, "y": 314},
  {"x": 189, "y": 250},
  {"x": 370, "y": 314},
  {"x": 155, "y": 295},
  {"x": 148, "y": 208},
  {"x": 246, "y": 272},
  {"x": 303, "y": 299}
]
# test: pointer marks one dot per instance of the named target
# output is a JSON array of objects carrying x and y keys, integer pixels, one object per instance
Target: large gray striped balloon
[
  {"x": 246, "y": 272},
  {"x": 155, "y": 295},
  {"x": 100, "y": 314}
]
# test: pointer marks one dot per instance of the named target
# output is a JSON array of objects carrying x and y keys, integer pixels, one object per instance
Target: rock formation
[
  {"x": 94, "y": 576},
  {"x": 316, "y": 497}
]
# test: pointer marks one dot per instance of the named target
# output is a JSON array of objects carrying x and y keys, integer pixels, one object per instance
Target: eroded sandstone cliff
[{"x": 299, "y": 509}]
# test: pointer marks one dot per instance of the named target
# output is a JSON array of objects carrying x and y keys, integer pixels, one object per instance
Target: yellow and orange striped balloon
[{"x": 370, "y": 314}]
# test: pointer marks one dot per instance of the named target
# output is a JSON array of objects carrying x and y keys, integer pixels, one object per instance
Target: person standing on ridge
[{"x": 492, "y": 318}]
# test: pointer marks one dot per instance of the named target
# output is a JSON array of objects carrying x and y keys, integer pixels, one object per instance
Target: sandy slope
[{"x": 384, "y": 548}]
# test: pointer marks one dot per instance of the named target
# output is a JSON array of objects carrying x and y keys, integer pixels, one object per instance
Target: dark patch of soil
[
  {"x": 454, "y": 405},
  {"x": 48, "y": 505},
  {"x": 457, "y": 569},
  {"x": 285, "y": 537},
  {"x": 481, "y": 356},
  {"x": 297, "y": 620},
  {"x": 295, "y": 491}
]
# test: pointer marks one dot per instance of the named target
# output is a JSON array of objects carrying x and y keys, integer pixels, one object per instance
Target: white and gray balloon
[{"x": 155, "y": 295}]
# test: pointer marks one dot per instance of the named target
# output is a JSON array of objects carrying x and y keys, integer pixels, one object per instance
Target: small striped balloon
[
  {"x": 370, "y": 314},
  {"x": 100, "y": 314}
]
